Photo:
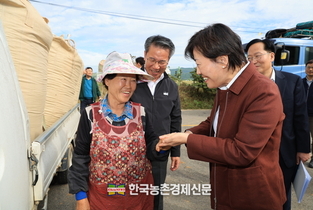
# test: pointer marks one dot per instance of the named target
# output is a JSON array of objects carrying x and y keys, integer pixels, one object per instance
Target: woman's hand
[
  {"x": 158, "y": 148},
  {"x": 172, "y": 140},
  {"x": 82, "y": 204}
]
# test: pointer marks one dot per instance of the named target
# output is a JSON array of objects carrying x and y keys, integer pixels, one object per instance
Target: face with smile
[
  {"x": 88, "y": 73},
  {"x": 261, "y": 58},
  {"x": 121, "y": 88},
  {"x": 215, "y": 74},
  {"x": 156, "y": 60}
]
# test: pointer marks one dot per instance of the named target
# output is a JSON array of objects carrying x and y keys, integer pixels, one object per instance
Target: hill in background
[{"x": 185, "y": 73}]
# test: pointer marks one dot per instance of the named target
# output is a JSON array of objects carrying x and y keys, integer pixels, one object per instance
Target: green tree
[
  {"x": 194, "y": 95},
  {"x": 177, "y": 76},
  {"x": 200, "y": 85}
]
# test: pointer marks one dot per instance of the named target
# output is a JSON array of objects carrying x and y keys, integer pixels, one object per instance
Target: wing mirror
[{"x": 282, "y": 54}]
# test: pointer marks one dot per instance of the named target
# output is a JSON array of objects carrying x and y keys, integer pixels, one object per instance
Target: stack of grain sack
[
  {"x": 48, "y": 67},
  {"x": 65, "y": 69},
  {"x": 100, "y": 70}
]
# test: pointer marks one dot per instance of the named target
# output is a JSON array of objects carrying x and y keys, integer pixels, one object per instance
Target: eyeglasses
[
  {"x": 160, "y": 62},
  {"x": 256, "y": 57}
]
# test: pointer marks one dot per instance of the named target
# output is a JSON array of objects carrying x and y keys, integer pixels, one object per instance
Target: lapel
[{"x": 281, "y": 82}]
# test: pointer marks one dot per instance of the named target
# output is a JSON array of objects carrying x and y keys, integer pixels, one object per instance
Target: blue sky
[{"x": 97, "y": 26}]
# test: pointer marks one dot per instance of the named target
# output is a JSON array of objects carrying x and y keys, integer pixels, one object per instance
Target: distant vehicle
[{"x": 294, "y": 47}]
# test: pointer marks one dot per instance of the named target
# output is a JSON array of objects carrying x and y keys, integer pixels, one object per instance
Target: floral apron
[{"x": 118, "y": 159}]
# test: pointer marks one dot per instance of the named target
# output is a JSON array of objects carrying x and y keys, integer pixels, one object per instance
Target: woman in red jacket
[{"x": 241, "y": 137}]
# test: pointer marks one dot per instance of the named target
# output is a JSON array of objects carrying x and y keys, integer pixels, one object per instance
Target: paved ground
[{"x": 190, "y": 172}]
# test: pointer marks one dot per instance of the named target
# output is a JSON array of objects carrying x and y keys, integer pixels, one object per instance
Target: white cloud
[
  {"x": 96, "y": 34},
  {"x": 91, "y": 59}
]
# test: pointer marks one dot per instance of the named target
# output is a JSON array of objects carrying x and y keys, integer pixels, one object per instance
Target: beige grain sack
[
  {"x": 65, "y": 69},
  {"x": 29, "y": 39},
  {"x": 100, "y": 66}
]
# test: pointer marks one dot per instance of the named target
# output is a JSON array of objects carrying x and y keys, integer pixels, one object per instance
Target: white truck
[{"x": 28, "y": 167}]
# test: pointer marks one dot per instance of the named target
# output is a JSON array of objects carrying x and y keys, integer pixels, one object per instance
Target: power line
[
  {"x": 136, "y": 17},
  {"x": 143, "y": 18}
]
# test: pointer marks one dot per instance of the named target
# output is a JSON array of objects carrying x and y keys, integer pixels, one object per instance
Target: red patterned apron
[{"x": 118, "y": 157}]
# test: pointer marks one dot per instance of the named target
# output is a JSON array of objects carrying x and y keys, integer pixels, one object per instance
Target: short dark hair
[
  {"x": 109, "y": 77},
  {"x": 217, "y": 40},
  {"x": 140, "y": 60},
  {"x": 160, "y": 41},
  {"x": 309, "y": 62},
  {"x": 268, "y": 45},
  {"x": 88, "y": 68}
]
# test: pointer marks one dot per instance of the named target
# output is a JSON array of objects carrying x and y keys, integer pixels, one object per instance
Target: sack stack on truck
[
  {"x": 40, "y": 84},
  {"x": 65, "y": 69},
  {"x": 48, "y": 66},
  {"x": 29, "y": 38}
]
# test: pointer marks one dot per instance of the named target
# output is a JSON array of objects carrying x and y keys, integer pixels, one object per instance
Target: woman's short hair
[{"x": 217, "y": 40}]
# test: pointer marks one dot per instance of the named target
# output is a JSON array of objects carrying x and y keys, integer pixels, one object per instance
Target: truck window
[
  {"x": 308, "y": 54},
  {"x": 294, "y": 56}
]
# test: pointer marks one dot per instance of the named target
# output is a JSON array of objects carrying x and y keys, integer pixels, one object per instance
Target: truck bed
[{"x": 49, "y": 149}]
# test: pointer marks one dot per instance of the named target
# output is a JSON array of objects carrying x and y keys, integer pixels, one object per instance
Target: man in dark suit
[
  {"x": 295, "y": 141},
  {"x": 307, "y": 81}
]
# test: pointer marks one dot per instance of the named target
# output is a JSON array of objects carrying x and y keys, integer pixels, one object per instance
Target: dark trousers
[
  {"x": 289, "y": 175},
  {"x": 159, "y": 175},
  {"x": 311, "y": 131},
  {"x": 84, "y": 103}
]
